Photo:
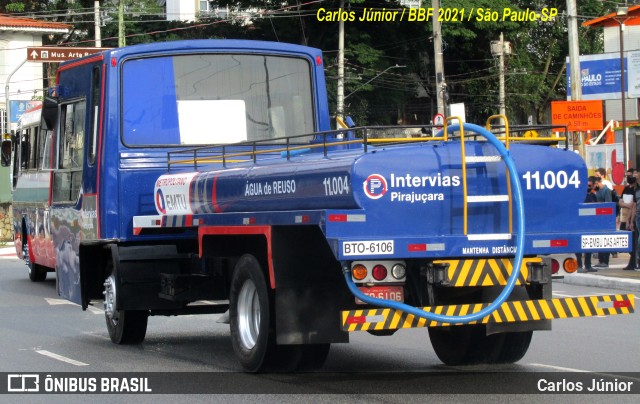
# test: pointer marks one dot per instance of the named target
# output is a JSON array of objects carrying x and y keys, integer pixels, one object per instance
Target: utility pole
[
  {"x": 340, "y": 92},
  {"x": 501, "y": 48},
  {"x": 96, "y": 21},
  {"x": 574, "y": 63},
  {"x": 503, "y": 108},
  {"x": 441, "y": 86},
  {"x": 121, "y": 40}
]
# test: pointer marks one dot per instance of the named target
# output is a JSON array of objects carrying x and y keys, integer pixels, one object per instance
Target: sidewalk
[
  {"x": 614, "y": 277},
  {"x": 7, "y": 251}
]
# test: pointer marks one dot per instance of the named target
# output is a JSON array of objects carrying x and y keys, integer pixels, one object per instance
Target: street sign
[
  {"x": 438, "y": 121},
  {"x": 578, "y": 115},
  {"x": 50, "y": 54}
]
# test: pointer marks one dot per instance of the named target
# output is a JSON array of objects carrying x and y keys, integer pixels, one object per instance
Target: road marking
[
  {"x": 56, "y": 302},
  {"x": 61, "y": 358},
  {"x": 563, "y": 369},
  {"x": 95, "y": 310},
  {"x": 563, "y": 295}
]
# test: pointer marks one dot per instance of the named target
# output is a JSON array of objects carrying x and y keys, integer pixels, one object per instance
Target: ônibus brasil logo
[{"x": 375, "y": 186}]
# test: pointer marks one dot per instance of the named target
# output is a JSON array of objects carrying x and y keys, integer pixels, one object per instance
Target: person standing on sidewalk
[
  {"x": 602, "y": 174},
  {"x": 628, "y": 213},
  {"x": 636, "y": 232},
  {"x": 603, "y": 194},
  {"x": 590, "y": 197}
]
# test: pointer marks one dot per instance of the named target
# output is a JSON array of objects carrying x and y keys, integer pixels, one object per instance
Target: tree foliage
[{"x": 389, "y": 75}]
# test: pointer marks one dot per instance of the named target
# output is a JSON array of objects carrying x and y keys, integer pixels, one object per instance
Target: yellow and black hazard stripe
[
  {"x": 508, "y": 312},
  {"x": 484, "y": 272}
]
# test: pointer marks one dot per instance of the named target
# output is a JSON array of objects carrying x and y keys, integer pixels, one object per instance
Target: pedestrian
[
  {"x": 603, "y": 194},
  {"x": 590, "y": 197},
  {"x": 602, "y": 174},
  {"x": 628, "y": 209}
]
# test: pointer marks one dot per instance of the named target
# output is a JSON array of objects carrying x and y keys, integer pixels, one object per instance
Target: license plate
[
  {"x": 614, "y": 241},
  {"x": 393, "y": 293},
  {"x": 377, "y": 247}
]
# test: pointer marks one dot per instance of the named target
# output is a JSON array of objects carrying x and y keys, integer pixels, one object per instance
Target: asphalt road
[{"x": 42, "y": 333}]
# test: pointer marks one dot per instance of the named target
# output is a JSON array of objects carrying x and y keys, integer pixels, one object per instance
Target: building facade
[{"x": 24, "y": 82}]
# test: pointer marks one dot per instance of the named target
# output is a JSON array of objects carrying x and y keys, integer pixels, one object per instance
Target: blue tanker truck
[{"x": 203, "y": 176}]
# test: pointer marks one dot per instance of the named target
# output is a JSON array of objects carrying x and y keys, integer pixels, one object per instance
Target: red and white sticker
[{"x": 171, "y": 194}]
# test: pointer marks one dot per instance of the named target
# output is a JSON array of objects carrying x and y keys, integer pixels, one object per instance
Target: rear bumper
[{"x": 508, "y": 312}]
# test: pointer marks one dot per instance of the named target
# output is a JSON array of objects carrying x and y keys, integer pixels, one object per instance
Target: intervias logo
[{"x": 375, "y": 186}]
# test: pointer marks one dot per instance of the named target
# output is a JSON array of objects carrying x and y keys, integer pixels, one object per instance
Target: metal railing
[{"x": 326, "y": 141}]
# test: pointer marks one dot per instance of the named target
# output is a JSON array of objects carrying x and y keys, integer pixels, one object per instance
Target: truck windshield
[{"x": 215, "y": 98}]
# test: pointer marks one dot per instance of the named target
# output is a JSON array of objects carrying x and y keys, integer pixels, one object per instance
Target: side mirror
[{"x": 6, "y": 153}]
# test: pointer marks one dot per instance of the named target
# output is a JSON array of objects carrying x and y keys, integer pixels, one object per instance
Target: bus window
[
  {"x": 6, "y": 153},
  {"x": 68, "y": 175},
  {"x": 25, "y": 148},
  {"x": 16, "y": 158},
  {"x": 95, "y": 106},
  {"x": 33, "y": 145},
  {"x": 44, "y": 149}
]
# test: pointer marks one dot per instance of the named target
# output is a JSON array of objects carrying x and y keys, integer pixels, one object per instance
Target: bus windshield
[{"x": 209, "y": 99}]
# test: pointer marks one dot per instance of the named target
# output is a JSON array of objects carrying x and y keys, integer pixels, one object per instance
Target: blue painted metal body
[
  {"x": 410, "y": 194},
  {"x": 119, "y": 184},
  {"x": 421, "y": 203}
]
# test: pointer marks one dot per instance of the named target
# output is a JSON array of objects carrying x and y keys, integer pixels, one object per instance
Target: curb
[
  {"x": 8, "y": 251},
  {"x": 600, "y": 281}
]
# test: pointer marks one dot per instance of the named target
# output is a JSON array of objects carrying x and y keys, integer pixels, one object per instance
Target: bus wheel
[
  {"x": 37, "y": 273},
  {"x": 124, "y": 326}
]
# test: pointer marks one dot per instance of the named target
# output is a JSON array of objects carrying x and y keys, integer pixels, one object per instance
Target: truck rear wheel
[
  {"x": 250, "y": 315},
  {"x": 516, "y": 345},
  {"x": 465, "y": 344},
  {"x": 124, "y": 326},
  {"x": 252, "y": 324}
]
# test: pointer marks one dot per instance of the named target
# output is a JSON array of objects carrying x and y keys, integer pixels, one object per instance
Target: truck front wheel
[{"x": 124, "y": 326}]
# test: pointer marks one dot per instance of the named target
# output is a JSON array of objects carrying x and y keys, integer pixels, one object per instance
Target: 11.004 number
[
  {"x": 551, "y": 179},
  {"x": 336, "y": 185}
]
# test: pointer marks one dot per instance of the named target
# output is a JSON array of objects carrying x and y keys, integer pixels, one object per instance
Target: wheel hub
[
  {"x": 110, "y": 298},
  {"x": 248, "y": 315},
  {"x": 25, "y": 254}
]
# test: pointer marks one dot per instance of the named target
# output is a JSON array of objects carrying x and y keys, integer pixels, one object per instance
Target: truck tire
[
  {"x": 516, "y": 345},
  {"x": 124, "y": 326},
  {"x": 465, "y": 344},
  {"x": 250, "y": 320},
  {"x": 470, "y": 344}
]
